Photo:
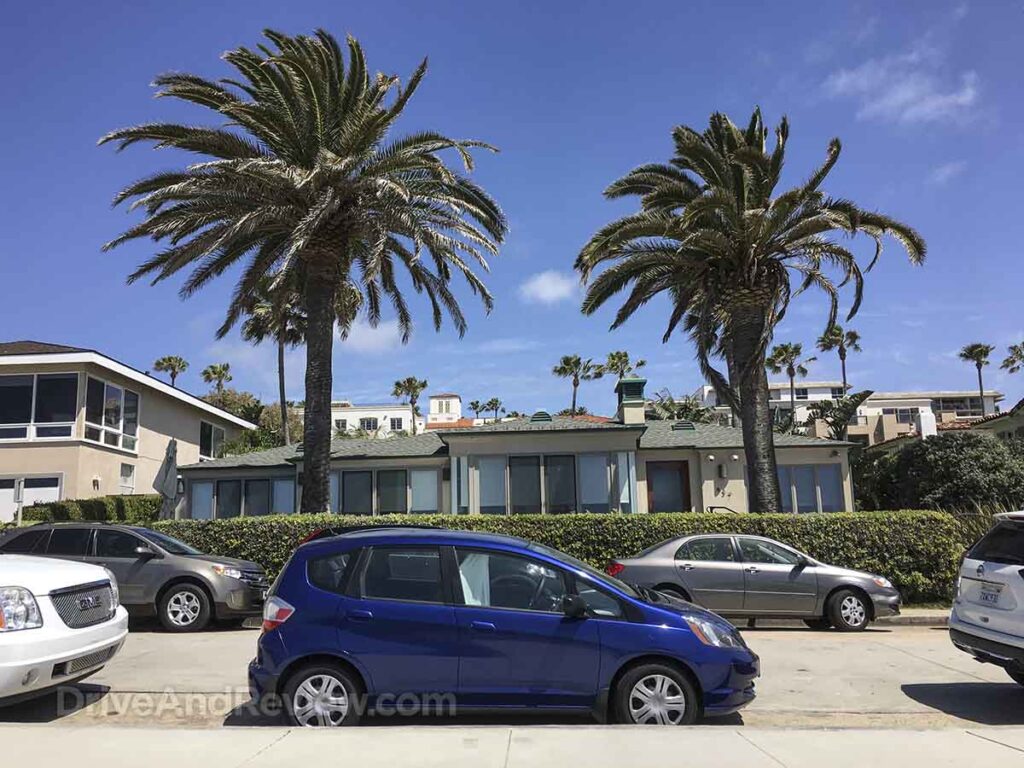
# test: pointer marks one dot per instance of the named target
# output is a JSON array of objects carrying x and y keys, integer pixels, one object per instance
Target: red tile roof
[{"x": 460, "y": 424}]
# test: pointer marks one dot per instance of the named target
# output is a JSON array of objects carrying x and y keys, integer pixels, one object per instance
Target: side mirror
[
  {"x": 802, "y": 561},
  {"x": 145, "y": 552},
  {"x": 574, "y": 607}
]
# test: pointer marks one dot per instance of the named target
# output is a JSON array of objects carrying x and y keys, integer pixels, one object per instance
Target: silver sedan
[{"x": 754, "y": 577}]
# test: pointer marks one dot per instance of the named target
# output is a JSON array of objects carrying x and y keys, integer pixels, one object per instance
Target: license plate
[{"x": 990, "y": 593}]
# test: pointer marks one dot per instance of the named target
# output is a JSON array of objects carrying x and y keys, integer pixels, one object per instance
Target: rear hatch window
[{"x": 1003, "y": 544}]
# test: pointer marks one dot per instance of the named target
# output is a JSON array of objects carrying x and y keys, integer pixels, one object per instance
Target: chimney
[
  {"x": 925, "y": 423},
  {"x": 632, "y": 402}
]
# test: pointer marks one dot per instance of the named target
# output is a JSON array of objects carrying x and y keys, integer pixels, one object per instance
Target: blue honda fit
[{"x": 404, "y": 619}]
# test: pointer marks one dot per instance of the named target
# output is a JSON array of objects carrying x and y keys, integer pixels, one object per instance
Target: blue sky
[{"x": 924, "y": 95}]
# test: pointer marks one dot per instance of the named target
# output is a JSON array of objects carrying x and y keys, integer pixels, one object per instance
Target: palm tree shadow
[{"x": 983, "y": 703}]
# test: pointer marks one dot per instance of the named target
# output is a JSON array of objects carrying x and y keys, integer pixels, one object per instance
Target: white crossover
[{"x": 60, "y": 621}]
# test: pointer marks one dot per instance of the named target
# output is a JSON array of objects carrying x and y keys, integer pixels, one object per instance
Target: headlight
[
  {"x": 881, "y": 582},
  {"x": 227, "y": 570},
  {"x": 116, "y": 593},
  {"x": 18, "y": 610},
  {"x": 711, "y": 633}
]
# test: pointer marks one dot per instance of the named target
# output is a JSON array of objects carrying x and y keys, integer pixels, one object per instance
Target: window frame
[
  {"x": 89, "y": 543},
  {"x": 790, "y": 493},
  {"x": 104, "y": 428},
  {"x": 391, "y": 423},
  {"x": 120, "y": 480},
  {"x": 460, "y": 599},
  {"x": 375, "y": 510},
  {"x": 363, "y": 565},
  {"x": 798, "y": 556},
  {"x": 31, "y": 426},
  {"x": 733, "y": 545},
  {"x": 213, "y": 433},
  {"x": 365, "y": 421},
  {"x": 94, "y": 548}
]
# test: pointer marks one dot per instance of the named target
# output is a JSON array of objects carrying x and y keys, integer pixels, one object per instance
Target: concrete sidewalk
[{"x": 511, "y": 747}]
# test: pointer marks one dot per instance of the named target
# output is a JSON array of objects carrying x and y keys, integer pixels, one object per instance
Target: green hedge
[
  {"x": 918, "y": 551},
  {"x": 142, "y": 509}
]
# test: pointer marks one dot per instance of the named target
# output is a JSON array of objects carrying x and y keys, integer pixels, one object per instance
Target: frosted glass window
[
  {"x": 491, "y": 471},
  {"x": 201, "y": 503},
  {"x": 625, "y": 481},
  {"x": 424, "y": 490},
  {"x": 283, "y": 497},
  {"x": 830, "y": 482},
  {"x": 594, "y": 492}
]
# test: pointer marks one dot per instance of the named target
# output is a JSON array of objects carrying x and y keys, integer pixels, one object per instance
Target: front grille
[
  {"x": 84, "y": 662},
  {"x": 84, "y": 605},
  {"x": 257, "y": 579}
]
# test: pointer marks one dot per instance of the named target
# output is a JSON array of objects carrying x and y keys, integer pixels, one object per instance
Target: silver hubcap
[
  {"x": 320, "y": 700},
  {"x": 657, "y": 700},
  {"x": 183, "y": 608},
  {"x": 853, "y": 612}
]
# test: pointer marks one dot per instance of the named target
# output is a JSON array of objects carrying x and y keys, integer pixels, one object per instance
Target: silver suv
[{"x": 156, "y": 573}]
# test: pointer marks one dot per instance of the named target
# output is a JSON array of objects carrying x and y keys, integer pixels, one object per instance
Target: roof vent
[
  {"x": 684, "y": 426},
  {"x": 540, "y": 416}
]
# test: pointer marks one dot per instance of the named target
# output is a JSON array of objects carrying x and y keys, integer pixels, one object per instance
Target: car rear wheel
[
  {"x": 848, "y": 611},
  {"x": 184, "y": 608},
  {"x": 675, "y": 592},
  {"x": 656, "y": 694},
  {"x": 321, "y": 696},
  {"x": 819, "y": 624},
  {"x": 1017, "y": 676}
]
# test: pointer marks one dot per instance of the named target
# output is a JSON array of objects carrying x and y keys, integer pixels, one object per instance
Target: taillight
[
  {"x": 275, "y": 613},
  {"x": 614, "y": 569}
]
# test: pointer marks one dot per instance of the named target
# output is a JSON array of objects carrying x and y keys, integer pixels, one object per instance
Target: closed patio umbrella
[{"x": 166, "y": 481}]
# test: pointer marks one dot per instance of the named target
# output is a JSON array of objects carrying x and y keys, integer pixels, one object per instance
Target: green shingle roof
[
  {"x": 272, "y": 457},
  {"x": 556, "y": 424},
  {"x": 660, "y": 434}
]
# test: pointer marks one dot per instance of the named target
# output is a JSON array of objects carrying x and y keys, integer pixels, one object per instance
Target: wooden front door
[{"x": 668, "y": 486}]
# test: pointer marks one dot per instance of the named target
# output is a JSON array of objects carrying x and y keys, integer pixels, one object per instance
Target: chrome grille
[
  {"x": 84, "y": 662},
  {"x": 255, "y": 579},
  {"x": 84, "y": 605}
]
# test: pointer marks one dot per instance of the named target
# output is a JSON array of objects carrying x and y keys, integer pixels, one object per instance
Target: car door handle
[
  {"x": 360, "y": 615},
  {"x": 753, "y": 569},
  {"x": 687, "y": 566},
  {"x": 482, "y": 626}
]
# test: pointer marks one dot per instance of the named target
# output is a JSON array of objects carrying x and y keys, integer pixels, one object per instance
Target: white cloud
[
  {"x": 372, "y": 341},
  {"x": 507, "y": 346},
  {"x": 946, "y": 172},
  {"x": 908, "y": 87},
  {"x": 549, "y": 287}
]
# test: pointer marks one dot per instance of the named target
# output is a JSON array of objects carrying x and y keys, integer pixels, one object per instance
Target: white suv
[
  {"x": 987, "y": 620},
  {"x": 60, "y": 621}
]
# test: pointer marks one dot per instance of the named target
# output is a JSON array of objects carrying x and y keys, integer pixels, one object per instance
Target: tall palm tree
[
  {"x": 172, "y": 365},
  {"x": 843, "y": 342},
  {"x": 476, "y": 406},
  {"x": 1014, "y": 358},
  {"x": 495, "y": 405},
  {"x": 307, "y": 185},
  {"x": 788, "y": 359},
  {"x": 410, "y": 388},
  {"x": 978, "y": 353},
  {"x": 217, "y": 374},
  {"x": 618, "y": 362},
  {"x": 715, "y": 236},
  {"x": 577, "y": 369}
]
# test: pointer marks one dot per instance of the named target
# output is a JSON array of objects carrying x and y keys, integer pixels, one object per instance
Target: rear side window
[
  {"x": 69, "y": 542},
  {"x": 707, "y": 551},
  {"x": 116, "y": 544},
  {"x": 328, "y": 573},
  {"x": 404, "y": 573},
  {"x": 1003, "y": 544},
  {"x": 26, "y": 542}
]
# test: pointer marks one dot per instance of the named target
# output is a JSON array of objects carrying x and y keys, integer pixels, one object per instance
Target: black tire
[
  {"x": 675, "y": 592},
  {"x": 323, "y": 678},
  {"x": 184, "y": 608},
  {"x": 650, "y": 676},
  {"x": 819, "y": 624},
  {"x": 849, "y": 611},
  {"x": 1016, "y": 676}
]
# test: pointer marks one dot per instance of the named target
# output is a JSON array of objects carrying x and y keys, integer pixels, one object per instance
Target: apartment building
[{"x": 375, "y": 419}]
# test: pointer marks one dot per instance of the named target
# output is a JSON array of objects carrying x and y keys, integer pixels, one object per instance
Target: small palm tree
[
  {"x": 410, "y": 388},
  {"x": 618, "y": 362},
  {"x": 217, "y": 374},
  {"x": 495, "y": 405},
  {"x": 1014, "y": 358},
  {"x": 476, "y": 406},
  {"x": 842, "y": 342},
  {"x": 665, "y": 407},
  {"x": 577, "y": 369},
  {"x": 787, "y": 358},
  {"x": 172, "y": 365},
  {"x": 308, "y": 184},
  {"x": 724, "y": 245},
  {"x": 978, "y": 353}
]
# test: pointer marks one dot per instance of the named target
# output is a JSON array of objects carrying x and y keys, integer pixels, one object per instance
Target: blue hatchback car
[{"x": 413, "y": 621}]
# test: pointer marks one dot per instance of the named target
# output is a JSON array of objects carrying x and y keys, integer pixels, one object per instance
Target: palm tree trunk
[
  {"x": 280, "y": 392},
  {"x": 173, "y": 377},
  {"x": 755, "y": 413},
  {"x": 981, "y": 390},
  {"x": 842, "y": 364},
  {"x": 792, "y": 399},
  {"x": 316, "y": 432},
  {"x": 575, "y": 385},
  {"x": 412, "y": 407}
]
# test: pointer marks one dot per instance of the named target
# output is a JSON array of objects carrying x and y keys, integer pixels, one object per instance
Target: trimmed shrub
[
  {"x": 140, "y": 510},
  {"x": 918, "y": 551}
]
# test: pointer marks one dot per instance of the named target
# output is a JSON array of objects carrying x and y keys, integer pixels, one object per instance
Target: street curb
[{"x": 936, "y": 620}]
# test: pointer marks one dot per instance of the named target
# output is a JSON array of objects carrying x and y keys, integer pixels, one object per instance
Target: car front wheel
[
  {"x": 848, "y": 611},
  {"x": 656, "y": 694},
  {"x": 184, "y": 608},
  {"x": 320, "y": 696}
]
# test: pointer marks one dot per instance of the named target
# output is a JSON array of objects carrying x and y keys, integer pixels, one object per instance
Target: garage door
[{"x": 40, "y": 490}]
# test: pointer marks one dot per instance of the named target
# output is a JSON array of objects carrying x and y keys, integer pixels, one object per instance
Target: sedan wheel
[
  {"x": 185, "y": 608},
  {"x": 848, "y": 611},
  {"x": 655, "y": 694},
  {"x": 321, "y": 697}
]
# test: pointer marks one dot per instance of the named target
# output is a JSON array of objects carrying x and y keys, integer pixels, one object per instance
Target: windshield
[
  {"x": 596, "y": 575},
  {"x": 1003, "y": 544},
  {"x": 169, "y": 543}
]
